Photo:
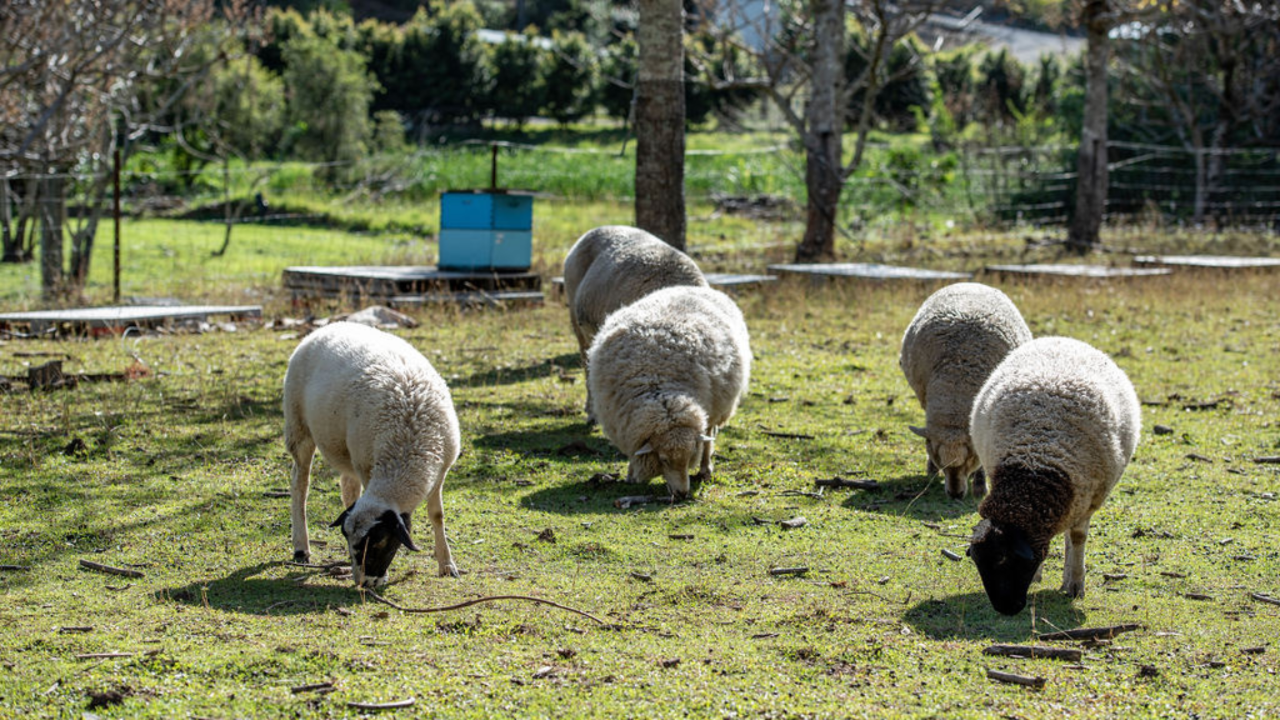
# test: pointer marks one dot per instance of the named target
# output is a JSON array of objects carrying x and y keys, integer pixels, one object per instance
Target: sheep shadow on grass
[
  {"x": 595, "y": 494},
  {"x": 969, "y": 616},
  {"x": 509, "y": 376},
  {"x": 262, "y": 590},
  {"x": 915, "y": 496}
]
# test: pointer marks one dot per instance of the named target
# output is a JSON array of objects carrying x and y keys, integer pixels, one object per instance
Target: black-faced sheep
[
  {"x": 667, "y": 373},
  {"x": 384, "y": 419},
  {"x": 1055, "y": 425},
  {"x": 956, "y": 339},
  {"x": 613, "y": 266}
]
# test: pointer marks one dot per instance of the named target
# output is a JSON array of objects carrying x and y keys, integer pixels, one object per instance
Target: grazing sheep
[
  {"x": 384, "y": 419},
  {"x": 613, "y": 266},
  {"x": 667, "y": 373},
  {"x": 1055, "y": 425},
  {"x": 956, "y": 339}
]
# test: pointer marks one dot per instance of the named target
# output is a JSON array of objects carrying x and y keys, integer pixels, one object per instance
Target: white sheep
[
  {"x": 956, "y": 339},
  {"x": 1055, "y": 425},
  {"x": 384, "y": 419},
  {"x": 612, "y": 266},
  {"x": 667, "y": 373}
]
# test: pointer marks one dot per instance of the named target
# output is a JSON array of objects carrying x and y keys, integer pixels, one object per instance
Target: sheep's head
[
  {"x": 373, "y": 537},
  {"x": 669, "y": 454},
  {"x": 1007, "y": 562},
  {"x": 952, "y": 453}
]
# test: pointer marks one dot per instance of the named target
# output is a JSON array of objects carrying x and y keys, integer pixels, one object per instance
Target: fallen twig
[
  {"x": 1264, "y": 598},
  {"x": 1034, "y": 651},
  {"x": 1032, "y": 682},
  {"x": 13, "y": 568},
  {"x": 322, "y": 687},
  {"x": 381, "y": 706},
  {"x": 326, "y": 566},
  {"x": 1268, "y": 460},
  {"x": 75, "y": 629},
  {"x": 276, "y": 494},
  {"x": 1090, "y": 633},
  {"x": 839, "y": 482},
  {"x": 99, "y": 567},
  {"x": 627, "y": 501},
  {"x": 786, "y": 435},
  {"x": 107, "y": 655},
  {"x": 950, "y": 555},
  {"x": 801, "y": 570},
  {"x": 477, "y": 601}
]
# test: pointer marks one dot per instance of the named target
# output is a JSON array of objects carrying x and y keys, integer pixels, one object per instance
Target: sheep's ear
[
  {"x": 402, "y": 532},
  {"x": 707, "y": 438},
  {"x": 919, "y": 431},
  {"x": 644, "y": 449},
  {"x": 341, "y": 518}
]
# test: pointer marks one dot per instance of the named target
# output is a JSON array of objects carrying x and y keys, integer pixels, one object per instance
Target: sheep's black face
[
  {"x": 373, "y": 549},
  {"x": 1007, "y": 564}
]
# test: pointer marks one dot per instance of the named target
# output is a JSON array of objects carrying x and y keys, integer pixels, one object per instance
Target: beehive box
[{"x": 486, "y": 230}]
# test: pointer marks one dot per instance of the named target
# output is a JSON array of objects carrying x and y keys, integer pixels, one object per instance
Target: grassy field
[{"x": 174, "y": 474}]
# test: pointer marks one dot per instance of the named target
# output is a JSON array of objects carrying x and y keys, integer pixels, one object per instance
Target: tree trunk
[
  {"x": 660, "y": 121},
  {"x": 1202, "y": 175},
  {"x": 1091, "y": 163},
  {"x": 52, "y": 209},
  {"x": 823, "y": 174},
  {"x": 10, "y": 245}
]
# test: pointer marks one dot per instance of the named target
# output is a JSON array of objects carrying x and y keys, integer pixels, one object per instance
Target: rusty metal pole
[
  {"x": 115, "y": 213},
  {"x": 493, "y": 169}
]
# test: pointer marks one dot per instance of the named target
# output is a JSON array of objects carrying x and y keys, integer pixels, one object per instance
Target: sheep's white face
[
  {"x": 958, "y": 461},
  {"x": 373, "y": 538},
  {"x": 670, "y": 455}
]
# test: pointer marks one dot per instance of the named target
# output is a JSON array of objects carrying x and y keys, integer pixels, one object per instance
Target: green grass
[{"x": 174, "y": 468}]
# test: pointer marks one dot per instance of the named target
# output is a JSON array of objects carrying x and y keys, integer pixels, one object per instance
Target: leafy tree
[
  {"x": 518, "y": 87},
  {"x": 1001, "y": 90},
  {"x": 617, "y": 87},
  {"x": 570, "y": 75},
  {"x": 329, "y": 93},
  {"x": 441, "y": 73}
]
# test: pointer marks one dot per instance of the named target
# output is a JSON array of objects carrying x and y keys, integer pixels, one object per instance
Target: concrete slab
[
  {"x": 116, "y": 319},
  {"x": 869, "y": 271},
  {"x": 1208, "y": 262},
  {"x": 1076, "y": 271}
]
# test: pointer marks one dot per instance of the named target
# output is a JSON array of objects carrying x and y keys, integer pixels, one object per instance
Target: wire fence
[{"x": 996, "y": 186}]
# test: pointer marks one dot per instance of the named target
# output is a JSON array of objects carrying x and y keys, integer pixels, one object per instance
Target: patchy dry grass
[{"x": 171, "y": 475}]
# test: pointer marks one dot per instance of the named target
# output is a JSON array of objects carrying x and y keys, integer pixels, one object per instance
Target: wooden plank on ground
[
  {"x": 1076, "y": 271},
  {"x": 1208, "y": 262},
  {"x": 869, "y": 271}
]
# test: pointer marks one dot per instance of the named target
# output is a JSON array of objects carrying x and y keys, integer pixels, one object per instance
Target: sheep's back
[
  {"x": 1060, "y": 403},
  {"x": 676, "y": 342},
  {"x": 625, "y": 264}
]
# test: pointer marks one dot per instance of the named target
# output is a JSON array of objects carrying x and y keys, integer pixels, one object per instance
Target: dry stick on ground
[
  {"x": 788, "y": 571},
  {"x": 1268, "y": 460},
  {"x": 326, "y": 566},
  {"x": 1090, "y": 633},
  {"x": 313, "y": 687},
  {"x": 13, "y": 568},
  {"x": 90, "y": 565},
  {"x": 786, "y": 435},
  {"x": 381, "y": 706},
  {"x": 477, "y": 601},
  {"x": 839, "y": 482},
  {"x": 1034, "y": 682},
  {"x": 1034, "y": 651},
  {"x": 1264, "y": 598}
]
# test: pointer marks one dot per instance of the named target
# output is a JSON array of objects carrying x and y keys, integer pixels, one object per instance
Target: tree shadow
[
  {"x": 573, "y": 440},
  {"x": 243, "y": 591},
  {"x": 915, "y": 496},
  {"x": 971, "y": 617},
  {"x": 510, "y": 376}
]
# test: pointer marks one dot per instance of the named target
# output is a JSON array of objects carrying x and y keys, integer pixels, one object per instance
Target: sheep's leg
[
  {"x": 708, "y": 450},
  {"x": 930, "y": 469},
  {"x": 303, "y": 450},
  {"x": 1073, "y": 567},
  {"x": 979, "y": 483},
  {"x": 350, "y": 487},
  {"x": 435, "y": 511},
  {"x": 583, "y": 344}
]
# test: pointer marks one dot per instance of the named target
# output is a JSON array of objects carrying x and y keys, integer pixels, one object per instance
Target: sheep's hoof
[
  {"x": 449, "y": 571},
  {"x": 1073, "y": 589},
  {"x": 301, "y": 556}
]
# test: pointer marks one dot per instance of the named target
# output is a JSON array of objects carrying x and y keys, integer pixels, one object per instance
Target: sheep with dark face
[
  {"x": 1055, "y": 425},
  {"x": 613, "y": 266},
  {"x": 667, "y": 373},
  {"x": 956, "y": 339},
  {"x": 384, "y": 419}
]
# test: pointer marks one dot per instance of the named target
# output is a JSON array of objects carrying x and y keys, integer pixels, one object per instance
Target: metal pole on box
[{"x": 115, "y": 213}]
